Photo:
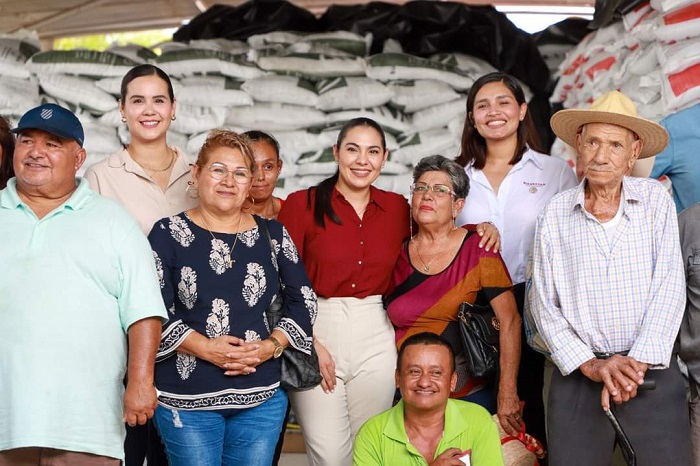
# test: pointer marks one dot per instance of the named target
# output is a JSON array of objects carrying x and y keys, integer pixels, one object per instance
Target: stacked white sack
[
  {"x": 653, "y": 56},
  {"x": 299, "y": 87},
  {"x": 18, "y": 89}
]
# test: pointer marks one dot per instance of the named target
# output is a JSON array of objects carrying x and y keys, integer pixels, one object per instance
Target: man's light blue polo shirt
[{"x": 71, "y": 284}]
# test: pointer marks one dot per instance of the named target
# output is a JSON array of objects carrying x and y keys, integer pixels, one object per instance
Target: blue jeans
[
  {"x": 485, "y": 398},
  {"x": 207, "y": 438}
]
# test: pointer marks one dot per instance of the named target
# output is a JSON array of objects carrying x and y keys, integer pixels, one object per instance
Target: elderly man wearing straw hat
[{"x": 608, "y": 294}]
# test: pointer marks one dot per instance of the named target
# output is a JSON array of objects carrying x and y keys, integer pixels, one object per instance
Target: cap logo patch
[{"x": 46, "y": 113}]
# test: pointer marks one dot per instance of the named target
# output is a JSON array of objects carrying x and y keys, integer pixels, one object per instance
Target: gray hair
[{"x": 440, "y": 163}]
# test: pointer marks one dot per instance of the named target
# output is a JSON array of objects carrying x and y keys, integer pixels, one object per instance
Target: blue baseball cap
[{"x": 53, "y": 119}]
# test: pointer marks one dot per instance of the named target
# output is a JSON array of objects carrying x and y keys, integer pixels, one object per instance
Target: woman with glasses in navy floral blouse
[{"x": 218, "y": 367}]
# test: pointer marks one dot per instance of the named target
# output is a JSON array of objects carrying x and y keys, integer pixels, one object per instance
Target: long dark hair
[
  {"x": 473, "y": 149},
  {"x": 324, "y": 190},
  {"x": 7, "y": 142},
  {"x": 139, "y": 71}
]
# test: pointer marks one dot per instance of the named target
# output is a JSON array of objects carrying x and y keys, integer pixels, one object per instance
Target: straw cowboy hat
[{"x": 613, "y": 108}]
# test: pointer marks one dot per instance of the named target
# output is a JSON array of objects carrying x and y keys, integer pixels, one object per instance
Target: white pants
[{"x": 360, "y": 337}]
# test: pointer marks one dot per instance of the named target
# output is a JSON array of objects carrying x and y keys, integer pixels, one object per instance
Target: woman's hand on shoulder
[
  {"x": 490, "y": 236},
  {"x": 327, "y": 366}
]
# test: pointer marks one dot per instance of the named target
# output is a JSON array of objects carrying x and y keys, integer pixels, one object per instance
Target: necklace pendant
[{"x": 426, "y": 268}]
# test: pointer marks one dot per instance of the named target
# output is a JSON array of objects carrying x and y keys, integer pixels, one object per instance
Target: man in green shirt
[{"x": 426, "y": 427}]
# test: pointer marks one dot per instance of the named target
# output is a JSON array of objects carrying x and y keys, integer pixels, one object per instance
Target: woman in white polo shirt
[{"x": 511, "y": 181}]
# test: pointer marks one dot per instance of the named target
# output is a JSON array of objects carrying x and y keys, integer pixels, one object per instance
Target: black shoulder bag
[
  {"x": 479, "y": 329},
  {"x": 300, "y": 371}
]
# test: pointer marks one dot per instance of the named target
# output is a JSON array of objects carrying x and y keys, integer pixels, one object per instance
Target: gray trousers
[
  {"x": 695, "y": 420},
  {"x": 656, "y": 421}
]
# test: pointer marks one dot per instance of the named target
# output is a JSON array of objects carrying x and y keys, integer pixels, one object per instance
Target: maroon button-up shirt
[{"x": 354, "y": 259}]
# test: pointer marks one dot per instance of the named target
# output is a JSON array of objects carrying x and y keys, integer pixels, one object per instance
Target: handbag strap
[{"x": 265, "y": 231}]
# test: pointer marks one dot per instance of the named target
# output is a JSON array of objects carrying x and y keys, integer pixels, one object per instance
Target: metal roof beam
[{"x": 62, "y": 14}]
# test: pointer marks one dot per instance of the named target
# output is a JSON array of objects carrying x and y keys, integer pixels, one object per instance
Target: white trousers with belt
[{"x": 360, "y": 337}]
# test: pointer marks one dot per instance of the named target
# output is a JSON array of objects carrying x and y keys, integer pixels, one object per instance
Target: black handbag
[
  {"x": 300, "y": 371},
  {"x": 479, "y": 330}
]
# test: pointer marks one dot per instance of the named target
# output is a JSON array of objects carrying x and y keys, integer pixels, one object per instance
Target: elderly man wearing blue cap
[{"x": 79, "y": 287}]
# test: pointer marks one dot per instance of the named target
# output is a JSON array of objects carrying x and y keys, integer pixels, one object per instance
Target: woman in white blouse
[{"x": 511, "y": 181}]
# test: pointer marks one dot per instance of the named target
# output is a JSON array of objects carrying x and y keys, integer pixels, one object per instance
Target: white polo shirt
[{"x": 525, "y": 190}]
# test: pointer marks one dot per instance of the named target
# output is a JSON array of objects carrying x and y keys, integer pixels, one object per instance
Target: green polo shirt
[
  {"x": 71, "y": 284},
  {"x": 382, "y": 440}
]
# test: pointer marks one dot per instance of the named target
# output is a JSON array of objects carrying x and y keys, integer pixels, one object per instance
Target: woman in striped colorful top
[{"x": 442, "y": 266}]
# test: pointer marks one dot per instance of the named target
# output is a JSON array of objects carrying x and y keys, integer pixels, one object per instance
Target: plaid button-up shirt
[{"x": 589, "y": 294}]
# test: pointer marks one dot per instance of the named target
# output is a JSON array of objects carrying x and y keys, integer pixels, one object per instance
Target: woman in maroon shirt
[{"x": 349, "y": 234}]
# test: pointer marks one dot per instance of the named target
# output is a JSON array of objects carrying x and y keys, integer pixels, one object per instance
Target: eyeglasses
[
  {"x": 220, "y": 172},
  {"x": 440, "y": 190}
]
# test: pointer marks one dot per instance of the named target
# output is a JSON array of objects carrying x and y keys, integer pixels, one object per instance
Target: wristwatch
[{"x": 278, "y": 347}]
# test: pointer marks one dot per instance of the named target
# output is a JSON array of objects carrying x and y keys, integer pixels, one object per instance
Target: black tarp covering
[
  {"x": 422, "y": 27},
  {"x": 247, "y": 19},
  {"x": 609, "y": 11},
  {"x": 567, "y": 32}
]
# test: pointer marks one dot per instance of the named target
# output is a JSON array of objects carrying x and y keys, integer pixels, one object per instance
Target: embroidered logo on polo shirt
[
  {"x": 533, "y": 187},
  {"x": 46, "y": 113}
]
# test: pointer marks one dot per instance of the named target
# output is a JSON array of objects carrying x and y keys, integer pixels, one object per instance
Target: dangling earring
[
  {"x": 192, "y": 192},
  {"x": 123, "y": 119},
  {"x": 173, "y": 118},
  {"x": 410, "y": 221}
]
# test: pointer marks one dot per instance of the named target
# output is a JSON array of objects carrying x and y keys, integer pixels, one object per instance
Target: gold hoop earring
[
  {"x": 252, "y": 200},
  {"x": 191, "y": 191}
]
